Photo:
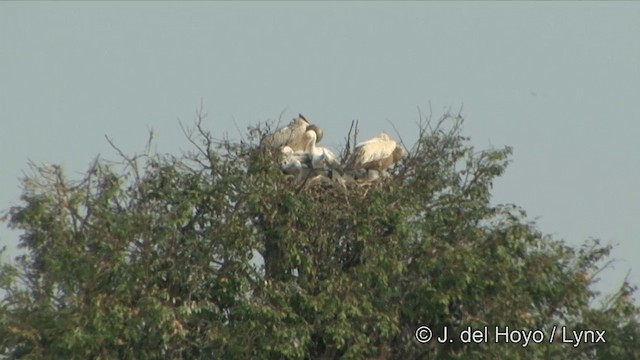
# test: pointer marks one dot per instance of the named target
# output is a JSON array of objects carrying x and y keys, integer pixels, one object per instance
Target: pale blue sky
[{"x": 560, "y": 82}]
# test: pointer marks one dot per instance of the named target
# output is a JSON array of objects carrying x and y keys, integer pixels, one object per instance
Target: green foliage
[{"x": 217, "y": 255}]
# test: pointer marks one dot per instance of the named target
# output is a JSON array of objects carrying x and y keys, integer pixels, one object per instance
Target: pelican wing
[
  {"x": 366, "y": 142},
  {"x": 380, "y": 137},
  {"x": 303, "y": 157},
  {"x": 289, "y": 135},
  {"x": 373, "y": 150},
  {"x": 297, "y": 141},
  {"x": 324, "y": 157},
  {"x": 278, "y": 138},
  {"x": 328, "y": 153},
  {"x": 331, "y": 161}
]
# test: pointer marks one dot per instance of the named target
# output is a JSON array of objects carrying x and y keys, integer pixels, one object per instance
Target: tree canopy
[{"x": 215, "y": 254}]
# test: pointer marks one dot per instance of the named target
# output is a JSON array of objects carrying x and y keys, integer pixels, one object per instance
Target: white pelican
[
  {"x": 321, "y": 157},
  {"x": 292, "y": 166},
  {"x": 297, "y": 163},
  {"x": 292, "y": 135},
  {"x": 377, "y": 154},
  {"x": 294, "y": 159}
]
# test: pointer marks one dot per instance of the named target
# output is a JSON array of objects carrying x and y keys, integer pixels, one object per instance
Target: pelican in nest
[
  {"x": 292, "y": 135},
  {"x": 377, "y": 154},
  {"x": 296, "y": 163},
  {"x": 321, "y": 157},
  {"x": 293, "y": 161}
]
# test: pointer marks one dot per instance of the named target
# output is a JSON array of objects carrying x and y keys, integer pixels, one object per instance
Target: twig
[
  {"x": 235, "y": 123},
  {"x": 131, "y": 161},
  {"x": 280, "y": 117},
  {"x": 347, "y": 147},
  {"x": 189, "y": 135},
  {"x": 397, "y": 133},
  {"x": 303, "y": 183}
]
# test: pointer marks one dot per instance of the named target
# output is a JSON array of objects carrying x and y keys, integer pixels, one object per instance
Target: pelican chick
[
  {"x": 296, "y": 164},
  {"x": 365, "y": 175},
  {"x": 295, "y": 168},
  {"x": 292, "y": 166},
  {"x": 301, "y": 156}
]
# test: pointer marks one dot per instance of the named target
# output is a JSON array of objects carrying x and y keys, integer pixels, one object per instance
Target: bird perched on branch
[
  {"x": 377, "y": 154},
  {"x": 292, "y": 135}
]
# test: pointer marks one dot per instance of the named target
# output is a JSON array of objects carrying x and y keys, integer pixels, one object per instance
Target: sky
[{"x": 559, "y": 82}]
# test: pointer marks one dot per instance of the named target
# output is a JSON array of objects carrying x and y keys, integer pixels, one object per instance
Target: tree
[{"x": 215, "y": 254}]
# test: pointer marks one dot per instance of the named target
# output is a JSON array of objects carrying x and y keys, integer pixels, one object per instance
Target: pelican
[
  {"x": 293, "y": 166},
  {"x": 294, "y": 160},
  {"x": 292, "y": 135},
  {"x": 296, "y": 163},
  {"x": 377, "y": 154},
  {"x": 321, "y": 157}
]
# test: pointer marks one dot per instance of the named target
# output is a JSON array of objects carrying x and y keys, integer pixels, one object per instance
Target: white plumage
[
  {"x": 377, "y": 154},
  {"x": 292, "y": 135},
  {"x": 321, "y": 157},
  {"x": 296, "y": 163},
  {"x": 294, "y": 160},
  {"x": 303, "y": 160}
]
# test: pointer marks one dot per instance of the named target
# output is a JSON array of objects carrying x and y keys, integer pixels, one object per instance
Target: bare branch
[
  {"x": 235, "y": 124},
  {"x": 131, "y": 161},
  {"x": 347, "y": 147},
  {"x": 149, "y": 141},
  {"x": 188, "y": 133},
  {"x": 398, "y": 134}
]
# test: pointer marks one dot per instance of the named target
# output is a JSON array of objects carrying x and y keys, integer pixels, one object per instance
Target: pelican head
[
  {"x": 300, "y": 118},
  {"x": 290, "y": 166}
]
